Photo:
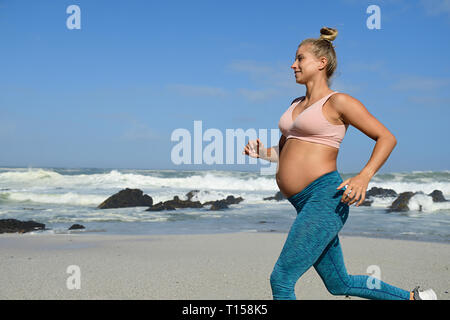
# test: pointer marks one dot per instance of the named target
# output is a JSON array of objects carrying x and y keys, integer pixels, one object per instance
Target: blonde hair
[{"x": 323, "y": 47}]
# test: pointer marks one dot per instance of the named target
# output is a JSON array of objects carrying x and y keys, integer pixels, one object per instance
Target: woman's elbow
[{"x": 395, "y": 140}]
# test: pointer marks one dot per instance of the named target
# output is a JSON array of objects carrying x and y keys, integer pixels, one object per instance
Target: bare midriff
[{"x": 301, "y": 162}]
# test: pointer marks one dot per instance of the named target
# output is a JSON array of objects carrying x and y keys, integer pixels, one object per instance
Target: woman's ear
[{"x": 322, "y": 63}]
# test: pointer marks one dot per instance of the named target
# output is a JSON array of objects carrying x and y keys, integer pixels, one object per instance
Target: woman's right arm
[
  {"x": 255, "y": 149},
  {"x": 272, "y": 154}
]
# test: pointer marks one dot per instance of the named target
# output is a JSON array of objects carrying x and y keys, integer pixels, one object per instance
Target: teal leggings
[{"x": 313, "y": 241}]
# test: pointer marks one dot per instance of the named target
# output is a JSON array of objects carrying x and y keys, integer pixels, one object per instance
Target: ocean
[{"x": 60, "y": 197}]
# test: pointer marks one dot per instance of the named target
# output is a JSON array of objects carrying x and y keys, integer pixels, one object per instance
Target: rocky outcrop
[
  {"x": 218, "y": 205},
  {"x": 437, "y": 196},
  {"x": 278, "y": 196},
  {"x": 127, "y": 198},
  {"x": 401, "y": 203},
  {"x": 223, "y": 203},
  {"x": 13, "y": 225},
  {"x": 380, "y": 192},
  {"x": 175, "y": 203},
  {"x": 191, "y": 194},
  {"x": 76, "y": 227}
]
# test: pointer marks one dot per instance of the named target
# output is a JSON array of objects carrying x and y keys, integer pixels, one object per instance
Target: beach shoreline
[{"x": 217, "y": 266}]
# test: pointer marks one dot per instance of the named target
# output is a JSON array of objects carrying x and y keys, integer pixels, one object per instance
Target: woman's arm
[
  {"x": 353, "y": 112},
  {"x": 272, "y": 154}
]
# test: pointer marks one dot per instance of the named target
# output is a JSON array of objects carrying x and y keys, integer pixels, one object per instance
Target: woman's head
[{"x": 316, "y": 58}]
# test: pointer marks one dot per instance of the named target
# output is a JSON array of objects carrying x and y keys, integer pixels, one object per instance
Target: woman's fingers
[
  {"x": 355, "y": 198},
  {"x": 348, "y": 194},
  {"x": 363, "y": 197},
  {"x": 343, "y": 183},
  {"x": 252, "y": 149}
]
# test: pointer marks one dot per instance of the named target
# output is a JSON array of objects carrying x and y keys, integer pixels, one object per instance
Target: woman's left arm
[{"x": 353, "y": 112}]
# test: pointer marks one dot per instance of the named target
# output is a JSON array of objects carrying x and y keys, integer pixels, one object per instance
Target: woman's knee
[
  {"x": 336, "y": 285},
  {"x": 338, "y": 289},
  {"x": 280, "y": 278},
  {"x": 282, "y": 288},
  {"x": 275, "y": 277}
]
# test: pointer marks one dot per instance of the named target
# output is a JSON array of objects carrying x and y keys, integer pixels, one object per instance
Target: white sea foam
[
  {"x": 116, "y": 179},
  {"x": 69, "y": 198},
  {"x": 90, "y": 188}
]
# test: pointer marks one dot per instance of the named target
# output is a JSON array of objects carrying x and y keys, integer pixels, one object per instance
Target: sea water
[{"x": 60, "y": 197}]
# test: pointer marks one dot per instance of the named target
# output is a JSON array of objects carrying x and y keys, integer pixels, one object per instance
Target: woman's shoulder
[{"x": 341, "y": 98}]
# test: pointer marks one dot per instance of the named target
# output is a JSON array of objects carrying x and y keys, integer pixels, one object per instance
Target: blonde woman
[{"x": 312, "y": 129}]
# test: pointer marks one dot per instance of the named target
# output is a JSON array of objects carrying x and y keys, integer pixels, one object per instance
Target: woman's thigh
[{"x": 313, "y": 229}]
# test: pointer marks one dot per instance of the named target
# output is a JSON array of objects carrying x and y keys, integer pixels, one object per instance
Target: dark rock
[
  {"x": 229, "y": 200},
  {"x": 127, "y": 198},
  {"x": 184, "y": 203},
  {"x": 380, "y": 192},
  {"x": 278, "y": 196},
  {"x": 175, "y": 203},
  {"x": 233, "y": 200},
  {"x": 401, "y": 203},
  {"x": 161, "y": 206},
  {"x": 191, "y": 194},
  {"x": 76, "y": 227},
  {"x": 219, "y": 205},
  {"x": 13, "y": 225},
  {"x": 437, "y": 196}
]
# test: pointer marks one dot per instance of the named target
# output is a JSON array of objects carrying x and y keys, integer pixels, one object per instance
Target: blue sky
[{"x": 110, "y": 94}]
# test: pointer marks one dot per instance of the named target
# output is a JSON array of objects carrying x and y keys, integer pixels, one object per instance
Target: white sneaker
[{"x": 424, "y": 295}]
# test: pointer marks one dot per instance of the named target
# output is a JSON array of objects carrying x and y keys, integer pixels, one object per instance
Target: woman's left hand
[{"x": 356, "y": 187}]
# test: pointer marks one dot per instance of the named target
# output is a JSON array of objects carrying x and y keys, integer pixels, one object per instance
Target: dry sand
[{"x": 202, "y": 266}]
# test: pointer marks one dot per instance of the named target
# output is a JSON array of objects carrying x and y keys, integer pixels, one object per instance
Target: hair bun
[{"x": 328, "y": 33}]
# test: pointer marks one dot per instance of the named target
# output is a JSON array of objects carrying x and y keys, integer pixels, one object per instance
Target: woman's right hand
[{"x": 254, "y": 148}]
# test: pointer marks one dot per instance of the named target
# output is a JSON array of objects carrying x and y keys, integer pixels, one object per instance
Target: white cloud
[
  {"x": 134, "y": 129},
  {"x": 258, "y": 95},
  {"x": 436, "y": 7},
  {"x": 348, "y": 88},
  {"x": 274, "y": 79},
  {"x": 139, "y": 131},
  {"x": 251, "y": 67},
  {"x": 197, "y": 90},
  {"x": 420, "y": 83},
  {"x": 367, "y": 66},
  {"x": 430, "y": 101}
]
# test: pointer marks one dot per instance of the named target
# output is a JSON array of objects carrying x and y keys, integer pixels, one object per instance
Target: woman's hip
[{"x": 322, "y": 197}]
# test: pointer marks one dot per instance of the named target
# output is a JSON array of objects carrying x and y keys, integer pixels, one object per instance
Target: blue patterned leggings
[{"x": 313, "y": 241}]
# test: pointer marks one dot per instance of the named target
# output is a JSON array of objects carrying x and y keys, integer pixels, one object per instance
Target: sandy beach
[{"x": 200, "y": 266}]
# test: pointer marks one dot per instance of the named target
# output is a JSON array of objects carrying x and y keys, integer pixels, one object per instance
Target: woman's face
[{"x": 306, "y": 65}]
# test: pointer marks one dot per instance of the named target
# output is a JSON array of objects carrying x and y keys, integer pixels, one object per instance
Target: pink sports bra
[{"x": 311, "y": 125}]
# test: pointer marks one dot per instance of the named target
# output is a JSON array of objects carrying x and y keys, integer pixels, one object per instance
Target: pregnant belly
[{"x": 301, "y": 163}]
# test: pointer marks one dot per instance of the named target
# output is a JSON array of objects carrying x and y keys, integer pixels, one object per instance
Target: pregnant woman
[{"x": 312, "y": 129}]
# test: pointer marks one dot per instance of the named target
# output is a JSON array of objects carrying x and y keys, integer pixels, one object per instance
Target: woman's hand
[
  {"x": 356, "y": 187},
  {"x": 254, "y": 148}
]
